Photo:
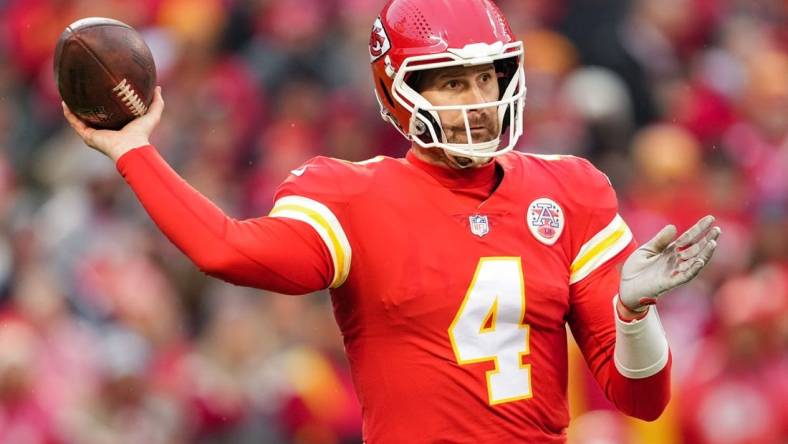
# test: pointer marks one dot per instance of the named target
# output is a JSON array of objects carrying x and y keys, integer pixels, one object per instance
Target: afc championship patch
[{"x": 545, "y": 219}]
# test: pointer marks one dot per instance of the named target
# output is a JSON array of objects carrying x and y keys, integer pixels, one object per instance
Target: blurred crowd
[{"x": 109, "y": 335}]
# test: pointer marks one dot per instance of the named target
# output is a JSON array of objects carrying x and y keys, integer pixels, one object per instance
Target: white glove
[{"x": 662, "y": 263}]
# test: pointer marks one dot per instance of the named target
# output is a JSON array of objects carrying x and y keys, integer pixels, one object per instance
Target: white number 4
[{"x": 489, "y": 327}]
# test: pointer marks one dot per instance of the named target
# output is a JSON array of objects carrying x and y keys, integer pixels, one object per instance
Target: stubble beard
[{"x": 458, "y": 134}]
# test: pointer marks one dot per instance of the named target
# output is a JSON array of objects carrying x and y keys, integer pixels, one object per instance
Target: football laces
[{"x": 130, "y": 98}]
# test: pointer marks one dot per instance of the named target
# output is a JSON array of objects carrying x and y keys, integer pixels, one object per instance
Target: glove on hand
[{"x": 662, "y": 263}]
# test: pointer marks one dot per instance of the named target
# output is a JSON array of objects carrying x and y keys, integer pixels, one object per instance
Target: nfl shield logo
[{"x": 479, "y": 225}]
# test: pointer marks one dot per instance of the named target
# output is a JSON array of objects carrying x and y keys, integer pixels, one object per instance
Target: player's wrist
[
  {"x": 627, "y": 314},
  {"x": 116, "y": 152}
]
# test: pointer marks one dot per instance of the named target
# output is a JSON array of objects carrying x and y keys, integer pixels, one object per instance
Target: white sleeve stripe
[
  {"x": 603, "y": 234},
  {"x": 319, "y": 217},
  {"x": 610, "y": 241}
]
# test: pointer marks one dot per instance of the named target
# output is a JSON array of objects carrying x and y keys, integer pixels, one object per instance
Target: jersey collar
[{"x": 483, "y": 177}]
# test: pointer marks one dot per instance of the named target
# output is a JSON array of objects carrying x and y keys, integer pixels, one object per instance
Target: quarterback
[{"x": 454, "y": 271}]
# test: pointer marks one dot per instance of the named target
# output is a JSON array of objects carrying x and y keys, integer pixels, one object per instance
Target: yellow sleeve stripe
[
  {"x": 607, "y": 243},
  {"x": 319, "y": 217}
]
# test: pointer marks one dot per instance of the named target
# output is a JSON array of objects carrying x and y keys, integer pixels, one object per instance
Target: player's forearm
[
  {"x": 644, "y": 398},
  {"x": 641, "y": 346},
  {"x": 641, "y": 382},
  {"x": 258, "y": 253},
  {"x": 182, "y": 213}
]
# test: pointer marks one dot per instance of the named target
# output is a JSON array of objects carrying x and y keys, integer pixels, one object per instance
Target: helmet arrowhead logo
[{"x": 378, "y": 41}]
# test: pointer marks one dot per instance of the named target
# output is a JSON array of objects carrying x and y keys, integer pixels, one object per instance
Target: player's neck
[
  {"x": 430, "y": 156},
  {"x": 483, "y": 176},
  {"x": 438, "y": 157},
  {"x": 471, "y": 185}
]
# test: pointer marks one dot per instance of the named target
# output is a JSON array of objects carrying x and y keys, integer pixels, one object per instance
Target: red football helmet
[{"x": 416, "y": 35}]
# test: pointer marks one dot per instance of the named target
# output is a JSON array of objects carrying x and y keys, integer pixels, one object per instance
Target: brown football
[{"x": 104, "y": 71}]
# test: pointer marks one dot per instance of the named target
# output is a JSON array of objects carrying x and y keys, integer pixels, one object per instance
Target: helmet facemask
[{"x": 425, "y": 126}]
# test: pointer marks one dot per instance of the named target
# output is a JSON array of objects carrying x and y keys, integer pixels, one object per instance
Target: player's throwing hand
[
  {"x": 116, "y": 143},
  {"x": 663, "y": 263}
]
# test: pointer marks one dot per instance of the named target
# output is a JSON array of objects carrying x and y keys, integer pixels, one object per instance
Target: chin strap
[
  {"x": 466, "y": 160},
  {"x": 463, "y": 162}
]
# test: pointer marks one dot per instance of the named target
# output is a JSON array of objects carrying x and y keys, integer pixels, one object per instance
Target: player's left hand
[
  {"x": 115, "y": 144},
  {"x": 663, "y": 263}
]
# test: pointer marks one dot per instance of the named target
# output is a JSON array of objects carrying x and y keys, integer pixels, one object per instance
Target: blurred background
[{"x": 109, "y": 335}]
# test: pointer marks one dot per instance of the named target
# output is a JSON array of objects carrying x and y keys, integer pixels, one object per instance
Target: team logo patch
[
  {"x": 545, "y": 219},
  {"x": 479, "y": 225},
  {"x": 378, "y": 41}
]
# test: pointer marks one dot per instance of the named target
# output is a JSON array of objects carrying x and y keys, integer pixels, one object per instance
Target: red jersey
[{"x": 453, "y": 302}]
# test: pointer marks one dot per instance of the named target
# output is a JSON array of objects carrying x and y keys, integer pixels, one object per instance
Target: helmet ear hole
[{"x": 423, "y": 131}]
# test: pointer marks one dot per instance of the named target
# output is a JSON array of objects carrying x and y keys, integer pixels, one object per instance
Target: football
[{"x": 104, "y": 72}]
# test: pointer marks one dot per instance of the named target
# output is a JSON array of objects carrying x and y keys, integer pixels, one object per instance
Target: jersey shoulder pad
[
  {"x": 583, "y": 183},
  {"x": 318, "y": 193},
  {"x": 596, "y": 231},
  {"x": 328, "y": 179}
]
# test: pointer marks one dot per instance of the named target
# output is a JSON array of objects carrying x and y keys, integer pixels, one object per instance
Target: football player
[{"x": 454, "y": 271}]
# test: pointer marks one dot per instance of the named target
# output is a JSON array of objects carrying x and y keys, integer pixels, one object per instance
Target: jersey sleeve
[
  {"x": 601, "y": 233},
  {"x": 314, "y": 195},
  {"x": 270, "y": 253},
  {"x": 602, "y": 242}
]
